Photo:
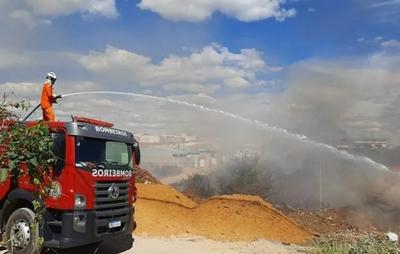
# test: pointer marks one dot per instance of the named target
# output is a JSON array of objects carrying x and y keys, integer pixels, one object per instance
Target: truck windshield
[{"x": 105, "y": 152}]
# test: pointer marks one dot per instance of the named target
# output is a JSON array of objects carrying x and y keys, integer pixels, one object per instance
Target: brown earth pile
[
  {"x": 144, "y": 176},
  {"x": 164, "y": 193},
  {"x": 163, "y": 211}
]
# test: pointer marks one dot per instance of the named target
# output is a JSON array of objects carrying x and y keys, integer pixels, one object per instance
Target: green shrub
[{"x": 366, "y": 245}]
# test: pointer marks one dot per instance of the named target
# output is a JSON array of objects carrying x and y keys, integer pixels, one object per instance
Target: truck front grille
[{"x": 109, "y": 209}]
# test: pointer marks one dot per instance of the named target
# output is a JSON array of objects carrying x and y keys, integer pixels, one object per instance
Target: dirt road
[
  {"x": 194, "y": 245},
  {"x": 179, "y": 245},
  {"x": 186, "y": 245}
]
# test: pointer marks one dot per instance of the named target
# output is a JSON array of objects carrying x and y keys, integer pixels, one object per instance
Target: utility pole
[{"x": 320, "y": 184}]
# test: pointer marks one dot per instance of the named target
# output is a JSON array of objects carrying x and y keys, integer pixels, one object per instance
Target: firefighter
[{"x": 48, "y": 97}]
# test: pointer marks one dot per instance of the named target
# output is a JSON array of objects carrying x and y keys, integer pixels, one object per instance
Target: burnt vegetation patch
[{"x": 244, "y": 176}]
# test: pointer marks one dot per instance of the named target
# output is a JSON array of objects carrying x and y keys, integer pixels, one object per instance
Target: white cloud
[
  {"x": 326, "y": 99},
  {"x": 10, "y": 59},
  {"x": 374, "y": 40},
  {"x": 199, "y": 10},
  {"x": 26, "y": 62},
  {"x": 28, "y": 20},
  {"x": 32, "y": 90},
  {"x": 384, "y": 3},
  {"x": 23, "y": 89},
  {"x": 202, "y": 71},
  {"x": 391, "y": 44},
  {"x": 33, "y": 13},
  {"x": 383, "y": 10},
  {"x": 51, "y": 8}
]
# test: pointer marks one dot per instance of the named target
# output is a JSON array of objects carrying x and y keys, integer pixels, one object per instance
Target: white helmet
[{"x": 52, "y": 77}]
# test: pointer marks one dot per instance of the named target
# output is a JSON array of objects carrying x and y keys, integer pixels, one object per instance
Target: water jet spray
[{"x": 265, "y": 126}]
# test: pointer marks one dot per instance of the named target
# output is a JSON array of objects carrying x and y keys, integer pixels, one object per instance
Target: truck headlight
[
  {"x": 80, "y": 201},
  {"x": 55, "y": 190}
]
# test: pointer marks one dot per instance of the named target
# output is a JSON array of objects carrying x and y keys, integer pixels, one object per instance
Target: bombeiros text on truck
[{"x": 93, "y": 191}]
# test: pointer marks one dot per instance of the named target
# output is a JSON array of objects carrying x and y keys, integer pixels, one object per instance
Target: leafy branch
[{"x": 26, "y": 151}]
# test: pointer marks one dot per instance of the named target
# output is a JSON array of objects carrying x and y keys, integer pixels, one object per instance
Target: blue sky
[
  {"x": 218, "y": 53},
  {"x": 319, "y": 29}
]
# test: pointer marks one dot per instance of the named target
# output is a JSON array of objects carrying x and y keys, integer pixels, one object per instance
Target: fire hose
[{"x": 33, "y": 111}]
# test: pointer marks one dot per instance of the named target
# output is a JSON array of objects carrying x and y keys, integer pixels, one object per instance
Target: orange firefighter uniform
[{"x": 46, "y": 102}]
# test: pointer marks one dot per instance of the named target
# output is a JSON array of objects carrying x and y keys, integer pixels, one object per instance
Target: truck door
[{"x": 59, "y": 151}]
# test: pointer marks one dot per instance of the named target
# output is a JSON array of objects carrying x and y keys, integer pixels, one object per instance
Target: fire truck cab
[{"x": 93, "y": 193}]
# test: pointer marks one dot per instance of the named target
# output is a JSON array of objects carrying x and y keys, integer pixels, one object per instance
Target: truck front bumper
[{"x": 71, "y": 229}]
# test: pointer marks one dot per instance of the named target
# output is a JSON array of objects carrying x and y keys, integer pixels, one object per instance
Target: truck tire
[{"x": 22, "y": 232}]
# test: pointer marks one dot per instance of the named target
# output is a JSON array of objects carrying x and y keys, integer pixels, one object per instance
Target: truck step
[{"x": 55, "y": 223}]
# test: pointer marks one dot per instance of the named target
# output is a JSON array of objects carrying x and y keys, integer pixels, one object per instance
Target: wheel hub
[{"x": 20, "y": 234}]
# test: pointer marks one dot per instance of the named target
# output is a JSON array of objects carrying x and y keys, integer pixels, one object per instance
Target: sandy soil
[
  {"x": 201, "y": 246},
  {"x": 180, "y": 245},
  {"x": 162, "y": 211},
  {"x": 170, "y": 223}
]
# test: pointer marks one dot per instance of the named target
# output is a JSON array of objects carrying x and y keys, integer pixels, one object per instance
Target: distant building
[
  {"x": 376, "y": 149},
  {"x": 247, "y": 151},
  {"x": 186, "y": 152},
  {"x": 166, "y": 139},
  {"x": 190, "y": 139},
  {"x": 149, "y": 139}
]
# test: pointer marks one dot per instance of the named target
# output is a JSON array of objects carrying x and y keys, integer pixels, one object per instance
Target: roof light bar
[{"x": 91, "y": 121}]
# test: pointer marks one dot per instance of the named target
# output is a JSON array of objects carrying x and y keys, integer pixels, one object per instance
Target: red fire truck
[{"x": 93, "y": 194}]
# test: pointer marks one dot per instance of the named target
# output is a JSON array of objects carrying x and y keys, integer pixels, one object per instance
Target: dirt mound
[
  {"x": 163, "y": 211},
  {"x": 144, "y": 176},
  {"x": 164, "y": 193}
]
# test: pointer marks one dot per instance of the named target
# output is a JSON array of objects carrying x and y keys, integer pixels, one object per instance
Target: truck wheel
[{"x": 22, "y": 232}]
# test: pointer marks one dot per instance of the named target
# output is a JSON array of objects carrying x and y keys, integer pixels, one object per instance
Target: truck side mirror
[{"x": 136, "y": 150}]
